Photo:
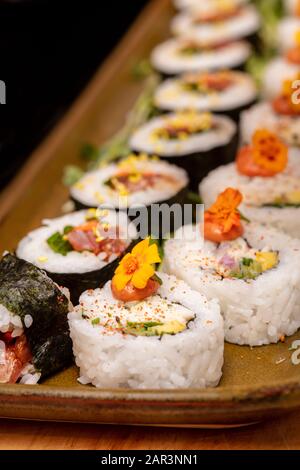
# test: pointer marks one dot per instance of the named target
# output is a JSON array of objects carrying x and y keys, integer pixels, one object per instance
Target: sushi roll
[
  {"x": 280, "y": 115},
  {"x": 147, "y": 332},
  {"x": 288, "y": 33},
  {"x": 208, "y": 6},
  {"x": 279, "y": 70},
  {"x": 180, "y": 55},
  {"x": 133, "y": 181},
  {"x": 79, "y": 250},
  {"x": 253, "y": 270},
  {"x": 34, "y": 332},
  {"x": 268, "y": 175},
  {"x": 224, "y": 91},
  {"x": 224, "y": 25},
  {"x": 195, "y": 141}
]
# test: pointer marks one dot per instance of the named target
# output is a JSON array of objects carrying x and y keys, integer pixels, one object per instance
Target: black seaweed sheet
[{"x": 26, "y": 290}]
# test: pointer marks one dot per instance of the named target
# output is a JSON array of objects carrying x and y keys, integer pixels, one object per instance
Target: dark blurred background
[{"x": 49, "y": 49}]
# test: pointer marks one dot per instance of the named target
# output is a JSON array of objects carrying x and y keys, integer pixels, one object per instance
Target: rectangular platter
[{"x": 257, "y": 383}]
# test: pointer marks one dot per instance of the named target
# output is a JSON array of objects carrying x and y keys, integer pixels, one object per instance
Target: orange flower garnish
[
  {"x": 265, "y": 157},
  {"x": 297, "y": 8},
  {"x": 222, "y": 221},
  {"x": 137, "y": 267}
]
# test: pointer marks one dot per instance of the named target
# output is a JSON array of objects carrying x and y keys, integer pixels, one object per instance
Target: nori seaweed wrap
[
  {"x": 197, "y": 142},
  {"x": 34, "y": 331},
  {"x": 80, "y": 250}
]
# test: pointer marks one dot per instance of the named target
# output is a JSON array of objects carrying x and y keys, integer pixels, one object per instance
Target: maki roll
[
  {"x": 181, "y": 55},
  {"x": 79, "y": 250},
  {"x": 197, "y": 142},
  {"x": 280, "y": 115},
  {"x": 208, "y": 7},
  {"x": 224, "y": 91},
  {"x": 253, "y": 270},
  {"x": 268, "y": 177},
  {"x": 34, "y": 332},
  {"x": 222, "y": 25},
  {"x": 288, "y": 33},
  {"x": 141, "y": 331},
  {"x": 133, "y": 181},
  {"x": 279, "y": 70}
]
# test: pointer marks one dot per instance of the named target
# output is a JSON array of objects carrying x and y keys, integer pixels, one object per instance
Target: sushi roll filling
[
  {"x": 191, "y": 47},
  {"x": 154, "y": 316},
  {"x": 131, "y": 177},
  {"x": 208, "y": 83},
  {"x": 230, "y": 255},
  {"x": 15, "y": 354},
  {"x": 238, "y": 260},
  {"x": 94, "y": 235},
  {"x": 183, "y": 125}
]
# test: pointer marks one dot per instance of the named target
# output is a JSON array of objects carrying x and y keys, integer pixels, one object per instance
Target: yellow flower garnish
[
  {"x": 297, "y": 37},
  {"x": 137, "y": 266}
]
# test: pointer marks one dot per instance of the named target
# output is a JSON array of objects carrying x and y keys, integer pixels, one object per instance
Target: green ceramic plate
[{"x": 257, "y": 383}]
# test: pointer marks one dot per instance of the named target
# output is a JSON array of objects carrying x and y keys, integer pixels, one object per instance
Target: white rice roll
[
  {"x": 142, "y": 139},
  {"x": 245, "y": 23},
  {"x": 35, "y": 249},
  {"x": 168, "y": 59},
  {"x": 259, "y": 191},
  {"x": 92, "y": 190},
  {"x": 262, "y": 115},
  {"x": 275, "y": 73},
  {"x": 288, "y": 29},
  {"x": 255, "y": 312},
  {"x": 171, "y": 95},
  {"x": 109, "y": 358}
]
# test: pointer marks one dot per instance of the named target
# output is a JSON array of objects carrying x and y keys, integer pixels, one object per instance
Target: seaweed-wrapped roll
[
  {"x": 135, "y": 180},
  {"x": 144, "y": 331},
  {"x": 268, "y": 175},
  {"x": 180, "y": 55},
  {"x": 253, "y": 270},
  {"x": 195, "y": 141},
  {"x": 79, "y": 250},
  {"x": 34, "y": 333},
  {"x": 222, "y": 25},
  {"x": 225, "y": 91}
]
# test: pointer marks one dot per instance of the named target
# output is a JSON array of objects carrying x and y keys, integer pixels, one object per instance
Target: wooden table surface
[{"x": 283, "y": 433}]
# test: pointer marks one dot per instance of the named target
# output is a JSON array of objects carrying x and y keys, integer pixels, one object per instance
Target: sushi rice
[
  {"x": 168, "y": 58},
  {"x": 108, "y": 357},
  {"x": 257, "y": 311},
  {"x": 243, "y": 24},
  {"x": 287, "y": 33},
  {"x": 172, "y": 94},
  {"x": 262, "y": 115},
  {"x": 276, "y": 72}
]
